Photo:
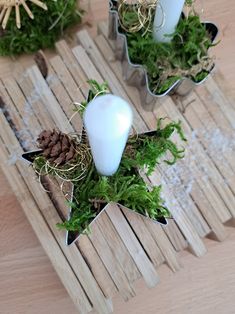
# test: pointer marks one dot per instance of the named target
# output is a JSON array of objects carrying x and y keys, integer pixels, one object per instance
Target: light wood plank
[
  {"x": 117, "y": 246},
  {"x": 224, "y": 85},
  {"x": 227, "y": 107},
  {"x": 11, "y": 111},
  {"x": 33, "y": 97},
  {"x": 218, "y": 192},
  {"x": 30, "y": 123},
  {"x": 71, "y": 63},
  {"x": 219, "y": 160},
  {"x": 221, "y": 142},
  {"x": 163, "y": 244},
  {"x": 144, "y": 236},
  {"x": 49, "y": 100},
  {"x": 103, "y": 29},
  {"x": 197, "y": 197},
  {"x": 180, "y": 217},
  {"x": 201, "y": 130},
  {"x": 180, "y": 240},
  {"x": 143, "y": 263},
  {"x": 97, "y": 267},
  {"x": 71, "y": 88},
  {"x": 64, "y": 99},
  {"x": 185, "y": 172},
  {"x": 209, "y": 213},
  {"x": 86, "y": 64},
  {"x": 173, "y": 179},
  {"x": 175, "y": 236},
  {"x": 66, "y": 79},
  {"x": 108, "y": 257},
  {"x": 210, "y": 103}
]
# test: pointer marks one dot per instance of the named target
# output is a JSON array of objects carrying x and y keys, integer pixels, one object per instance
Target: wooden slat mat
[{"x": 122, "y": 246}]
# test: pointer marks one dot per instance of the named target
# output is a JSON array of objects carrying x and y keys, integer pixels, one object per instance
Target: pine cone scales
[{"x": 57, "y": 147}]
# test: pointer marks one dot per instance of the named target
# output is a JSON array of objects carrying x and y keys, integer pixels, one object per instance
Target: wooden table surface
[{"x": 28, "y": 283}]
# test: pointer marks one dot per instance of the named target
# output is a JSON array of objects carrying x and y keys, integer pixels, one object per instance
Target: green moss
[
  {"x": 36, "y": 34},
  {"x": 125, "y": 187},
  {"x": 185, "y": 56},
  {"x": 147, "y": 151}
]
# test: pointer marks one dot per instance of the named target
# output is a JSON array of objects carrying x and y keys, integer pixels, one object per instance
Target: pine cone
[{"x": 57, "y": 147}]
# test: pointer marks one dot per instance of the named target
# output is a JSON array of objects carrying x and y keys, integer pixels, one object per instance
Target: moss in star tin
[
  {"x": 93, "y": 191},
  {"x": 166, "y": 63}
]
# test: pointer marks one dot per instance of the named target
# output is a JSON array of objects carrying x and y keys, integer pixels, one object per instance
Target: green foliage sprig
[
  {"x": 43, "y": 31},
  {"x": 126, "y": 186},
  {"x": 146, "y": 151},
  {"x": 185, "y": 56}
]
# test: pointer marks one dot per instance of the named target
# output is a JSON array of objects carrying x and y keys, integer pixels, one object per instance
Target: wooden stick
[
  {"x": 181, "y": 218},
  {"x": 144, "y": 236},
  {"x": 175, "y": 236},
  {"x": 27, "y": 9},
  {"x": 133, "y": 246},
  {"x": 33, "y": 97},
  {"x": 64, "y": 98},
  {"x": 49, "y": 101},
  {"x": 74, "y": 68},
  {"x": 109, "y": 260},
  {"x": 6, "y": 18},
  {"x": 17, "y": 9},
  {"x": 121, "y": 253},
  {"x": 164, "y": 244},
  {"x": 31, "y": 124},
  {"x": 99, "y": 270},
  {"x": 40, "y": 4},
  {"x": 3, "y": 11},
  {"x": 216, "y": 179}
]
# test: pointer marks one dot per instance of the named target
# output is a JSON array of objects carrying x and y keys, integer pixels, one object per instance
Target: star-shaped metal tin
[
  {"x": 72, "y": 236},
  {"x": 136, "y": 75}
]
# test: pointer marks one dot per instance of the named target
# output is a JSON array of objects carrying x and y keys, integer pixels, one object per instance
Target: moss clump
[
  {"x": 43, "y": 31},
  {"x": 185, "y": 56},
  {"x": 125, "y": 187}
]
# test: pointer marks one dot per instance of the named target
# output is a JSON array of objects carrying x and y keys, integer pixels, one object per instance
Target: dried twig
[{"x": 144, "y": 12}]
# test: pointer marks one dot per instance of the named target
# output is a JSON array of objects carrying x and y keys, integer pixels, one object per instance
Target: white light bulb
[{"x": 107, "y": 121}]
